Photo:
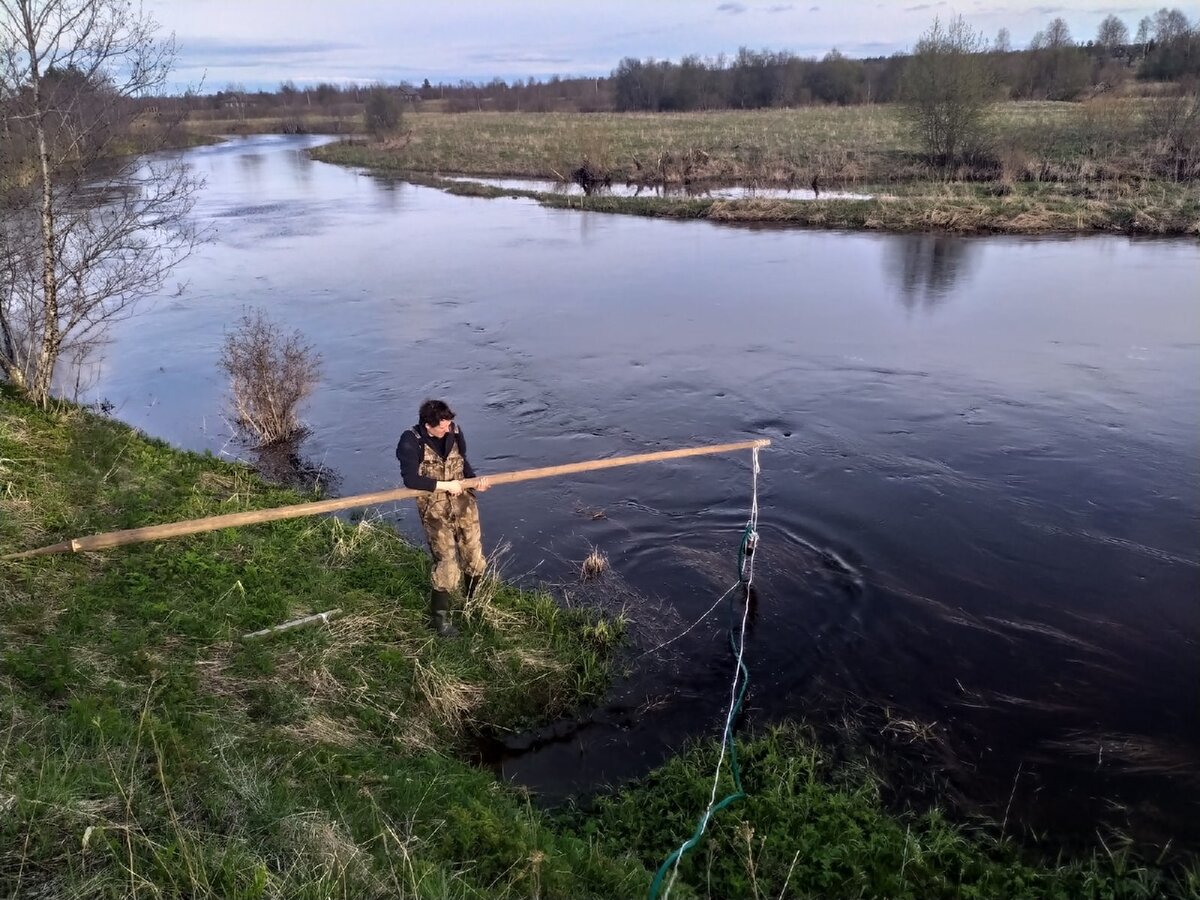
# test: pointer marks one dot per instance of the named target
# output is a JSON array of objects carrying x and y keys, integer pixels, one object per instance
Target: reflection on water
[
  {"x": 926, "y": 267},
  {"x": 285, "y": 462},
  {"x": 300, "y": 164},
  {"x": 699, "y": 190},
  {"x": 983, "y": 516}
]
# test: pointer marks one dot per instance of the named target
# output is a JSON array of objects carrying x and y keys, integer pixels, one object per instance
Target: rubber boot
[
  {"x": 439, "y": 613},
  {"x": 473, "y": 582}
]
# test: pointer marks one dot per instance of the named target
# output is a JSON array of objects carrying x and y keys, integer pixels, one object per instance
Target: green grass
[
  {"x": 146, "y": 750},
  {"x": 811, "y": 828},
  {"x": 1054, "y": 167}
]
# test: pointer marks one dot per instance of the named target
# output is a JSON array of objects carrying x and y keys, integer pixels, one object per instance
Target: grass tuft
[{"x": 593, "y": 566}]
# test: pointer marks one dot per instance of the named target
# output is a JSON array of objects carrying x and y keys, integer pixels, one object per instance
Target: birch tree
[{"x": 88, "y": 225}]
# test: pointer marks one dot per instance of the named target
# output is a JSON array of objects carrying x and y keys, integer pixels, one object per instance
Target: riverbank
[
  {"x": 146, "y": 744},
  {"x": 148, "y": 747},
  {"x": 1054, "y": 167}
]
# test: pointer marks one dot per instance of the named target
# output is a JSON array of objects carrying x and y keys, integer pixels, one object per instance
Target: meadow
[{"x": 1050, "y": 167}]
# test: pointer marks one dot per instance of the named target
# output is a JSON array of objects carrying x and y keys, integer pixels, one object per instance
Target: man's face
[{"x": 440, "y": 429}]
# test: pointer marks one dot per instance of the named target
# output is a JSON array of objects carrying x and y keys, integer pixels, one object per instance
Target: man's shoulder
[{"x": 409, "y": 438}]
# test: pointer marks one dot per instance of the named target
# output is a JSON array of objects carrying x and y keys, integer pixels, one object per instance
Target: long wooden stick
[
  {"x": 295, "y": 623},
  {"x": 252, "y": 517}
]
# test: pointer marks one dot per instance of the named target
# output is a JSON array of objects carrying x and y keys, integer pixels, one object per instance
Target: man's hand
[
  {"x": 453, "y": 488},
  {"x": 482, "y": 484}
]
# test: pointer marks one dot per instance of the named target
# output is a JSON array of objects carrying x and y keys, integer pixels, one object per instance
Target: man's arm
[
  {"x": 468, "y": 469},
  {"x": 408, "y": 451}
]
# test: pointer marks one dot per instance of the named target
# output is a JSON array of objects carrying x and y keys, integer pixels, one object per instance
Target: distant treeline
[{"x": 1055, "y": 66}]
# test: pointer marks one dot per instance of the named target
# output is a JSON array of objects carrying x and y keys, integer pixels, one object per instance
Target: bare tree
[
  {"x": 1055, "y": 67},
  {"x": 1170, "y": 25},
  {"x": 1112, "y": 34},
  {"x": 270, "y": 374},
  {"x": 1174, "y": 121},
  {"x": 1058, "y": 34},
  {"x": 1003, "y": 42},
  {"x": 88, "y": 227},
  {"x": 1143, "y": 33},
  {"x": 948, "y": 86}
]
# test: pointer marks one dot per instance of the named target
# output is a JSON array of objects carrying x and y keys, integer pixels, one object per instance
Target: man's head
[{"x": 437, "y": 417}]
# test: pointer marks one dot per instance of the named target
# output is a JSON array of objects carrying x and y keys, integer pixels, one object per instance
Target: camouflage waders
[{"x": 451, "y": 523}]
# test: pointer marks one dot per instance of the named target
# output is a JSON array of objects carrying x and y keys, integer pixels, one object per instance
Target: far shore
[{"x": 1050, "y": 171}]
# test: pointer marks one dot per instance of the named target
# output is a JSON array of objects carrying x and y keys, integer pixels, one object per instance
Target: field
[{"x": 1058, "y": 167}]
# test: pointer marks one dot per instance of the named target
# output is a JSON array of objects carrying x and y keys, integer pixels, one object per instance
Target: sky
[{"x": 259, "y": 43}]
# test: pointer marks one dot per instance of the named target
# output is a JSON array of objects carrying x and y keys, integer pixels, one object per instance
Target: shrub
[{"x": 270, "y": 373}]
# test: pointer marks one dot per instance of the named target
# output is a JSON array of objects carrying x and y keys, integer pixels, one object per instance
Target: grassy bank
[
  {"x": 141, "y": 137},
  {"x": 1054, "y": 167},
  {"x": 813, "y": 827},
  {"x": 147, "y": 750}
]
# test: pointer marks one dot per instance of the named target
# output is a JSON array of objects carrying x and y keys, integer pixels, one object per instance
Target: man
[{"x": 433, "y": 457}]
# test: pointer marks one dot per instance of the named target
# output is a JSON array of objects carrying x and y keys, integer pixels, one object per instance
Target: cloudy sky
[{"x": 259, "y": 43}]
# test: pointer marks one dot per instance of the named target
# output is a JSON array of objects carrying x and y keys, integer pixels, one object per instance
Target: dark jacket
[{"x": 411, "y": 450}]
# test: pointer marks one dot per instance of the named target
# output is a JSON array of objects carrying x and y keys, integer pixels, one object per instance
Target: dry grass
[
  {"x": 416, "y": 736},
  {"x": 348, "y": 540},
  {"x": 324, "y": 729},
  {"x": 451, "y": 700},
  {"x": 764, "y": 145},
  {"x": 539, "y": 661},
  {"x": 214, "y": 483},
  {"x": 313, "y": 123},
  {"x": 325, "y": 839},
  {"x": 907, "y": 730},
  {"x": 1133, "y": 752},
  {"x": 1050, "y": 167},
  {"x": 214, "y": 677},
  {"x": 19, "y": 455},
  {"x": 233, "y": 487},
  {"x": 18, "y": 508},
  {"x": 593, "y": 566},
  {"x": 840, "y": 145},
  {"x": 360, "y": 629},
  {"x": 482, "y": 607}
]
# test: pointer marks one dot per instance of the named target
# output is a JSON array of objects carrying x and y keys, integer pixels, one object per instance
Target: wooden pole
[
  {"x": 253, "y": 517},
  {"x": 295, "y": 623}
]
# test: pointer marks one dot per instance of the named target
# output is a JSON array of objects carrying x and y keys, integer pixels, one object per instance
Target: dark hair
[{"x": 434, "y": 411}]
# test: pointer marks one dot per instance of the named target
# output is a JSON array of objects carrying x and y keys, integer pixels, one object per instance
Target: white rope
[
  {"x": 752, "y": 541},
  {"x": 703, "y": 616}
]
